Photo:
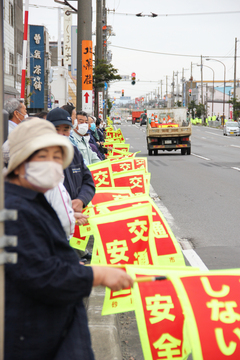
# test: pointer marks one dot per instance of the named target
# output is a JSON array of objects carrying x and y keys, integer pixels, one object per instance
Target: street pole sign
[
  {"x": 100, "y": 104},
  {"x": 87, "y": 76}
]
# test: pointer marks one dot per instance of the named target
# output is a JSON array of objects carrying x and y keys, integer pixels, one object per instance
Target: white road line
[
  {"x": 192, "y": 257},
  {"x": 237, "y": 146},
  {"x": 235, "y": 168},
  {"x": 194, "y": 260},
  {"x": 213, "y": 133},
  {"x": 201, "y": 157}
]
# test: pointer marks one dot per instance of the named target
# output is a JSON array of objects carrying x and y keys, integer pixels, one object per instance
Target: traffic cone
[
  {"x": 152, "y": 121},
  {"x": 156, "y": 121}
]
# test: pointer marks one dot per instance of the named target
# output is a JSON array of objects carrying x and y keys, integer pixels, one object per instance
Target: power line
[
  {"x": 170, "y": 54},
  {"x": 183, "y": 14}
]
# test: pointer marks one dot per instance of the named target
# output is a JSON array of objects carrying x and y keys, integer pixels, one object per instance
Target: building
[{"x": 13, "y": 42}]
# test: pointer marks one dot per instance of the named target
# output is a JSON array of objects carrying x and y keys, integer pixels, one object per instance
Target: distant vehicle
[
  {"x": 136, "y": 116},
  {"x": 231, "y": 128},
  {"x": 129, "y": 118},
  {"x": 116, "y": 120},
  {"x": 143, "y": 119}
]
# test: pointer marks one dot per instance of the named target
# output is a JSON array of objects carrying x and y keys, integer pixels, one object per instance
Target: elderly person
[
  {"x": 44, "y": 313},
  {"x": 17, "y": 112}
]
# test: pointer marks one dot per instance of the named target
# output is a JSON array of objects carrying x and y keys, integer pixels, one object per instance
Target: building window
[
  {"x": 11, "y": 20},
  {"x": 11, "y": 64}
]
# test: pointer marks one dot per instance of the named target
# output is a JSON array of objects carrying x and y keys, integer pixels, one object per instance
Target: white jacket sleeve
[{"x": 60, "y": 201}]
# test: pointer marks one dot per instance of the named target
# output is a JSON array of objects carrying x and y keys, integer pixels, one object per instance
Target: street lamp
[
  {"x": 223, "y": 87},
  {"x": 213, "y": 84}
]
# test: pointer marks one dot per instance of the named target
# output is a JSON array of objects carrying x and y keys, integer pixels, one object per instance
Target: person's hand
[
  {"x": 77, "y": 205},
  {"x": 81, "y": 219},
  {"x": 115, "y": 279},
  {"x": 98, "y": 143}
]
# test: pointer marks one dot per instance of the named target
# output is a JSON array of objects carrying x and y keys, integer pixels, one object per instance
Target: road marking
[
  {"x": 201, "y": 157},
  {"x": 192, "y": 257},
  {"x": 213, "y": 134},
  {"x": 237, "y": 146},
  {"x": 235, "y": 168}
]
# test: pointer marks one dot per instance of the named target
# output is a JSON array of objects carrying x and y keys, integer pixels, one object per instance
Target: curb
[{"x": 104, "y": 330}]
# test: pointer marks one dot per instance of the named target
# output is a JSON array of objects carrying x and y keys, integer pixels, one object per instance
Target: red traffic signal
[
  {"x": 133, "y": 78},
  {"x": 122, "y": 92},
  {"x": 190, "y": 92}
]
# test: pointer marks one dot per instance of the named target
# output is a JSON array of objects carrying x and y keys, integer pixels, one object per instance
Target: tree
[
  {"x": 103, "y": 73},
  {"x": 236, "y": 108}
]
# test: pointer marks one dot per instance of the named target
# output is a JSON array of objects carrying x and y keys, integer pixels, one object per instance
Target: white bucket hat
[{"x": 32, "y": 135}]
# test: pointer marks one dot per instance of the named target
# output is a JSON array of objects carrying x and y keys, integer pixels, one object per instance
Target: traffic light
[
  {"x": 133, "y": 78},
  {"x": 190, "y": 92},
  {"x": 122, "y": 92}
]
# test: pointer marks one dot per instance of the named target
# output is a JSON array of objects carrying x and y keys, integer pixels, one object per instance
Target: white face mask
[
  {"x": 26, "y": 116},
  {"x": 82, "y": 129},
  {"x": 43, "y": 174},
  {"x": 75, "y": 124},
  {"x": 87, "y": 138},
  {"x": 101, "y": 126}
]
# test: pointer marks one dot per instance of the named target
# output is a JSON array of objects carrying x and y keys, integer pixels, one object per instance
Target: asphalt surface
[{"x": 201, "y": 191}]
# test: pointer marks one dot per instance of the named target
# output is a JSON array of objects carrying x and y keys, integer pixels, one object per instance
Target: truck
[
  {"x": 136, "y": 116},
  {"x": 170, "y": 130}
]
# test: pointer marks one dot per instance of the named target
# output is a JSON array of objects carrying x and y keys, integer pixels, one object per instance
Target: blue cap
[{"x": 59, "y": 116}]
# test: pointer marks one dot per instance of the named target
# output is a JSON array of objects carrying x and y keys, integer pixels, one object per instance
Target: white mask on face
[
  {"x": 43, "y": 174},
  {"x": 82, "y": 129},
  {"x": 101, "y": 126},
  {"x": 87, "y": 138},
  {"x": 26, "y": 116},
  {"x": 75, "y": 124}
]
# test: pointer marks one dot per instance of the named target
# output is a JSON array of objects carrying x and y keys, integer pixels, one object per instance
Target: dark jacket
[
  {"x": 44, "y": 314},
  {"x": 78, "y": 179},
  {"x": 93, "y": 141}
]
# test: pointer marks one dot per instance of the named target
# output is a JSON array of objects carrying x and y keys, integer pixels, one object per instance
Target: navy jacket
[
  {"x": 44, "y": 314},
  {"x": 78, "y": 179}
]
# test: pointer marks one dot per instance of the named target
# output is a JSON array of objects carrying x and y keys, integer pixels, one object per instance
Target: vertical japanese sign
[
  {"x": 36, "y": 43},
  {"x": 210, "y": 301},
  {"x": 67, "y": 37},
  {"x": 87, "y": 76},
  {"x": 100, "y": 104},
  {"x": 74, "y": 51}
]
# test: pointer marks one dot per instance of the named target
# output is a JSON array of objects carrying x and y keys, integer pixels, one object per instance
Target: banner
[
  {"x": 102, "y": 174},
  {"x": 211, "y": 303},
  {"x": 166, "y": 248},
  {"x": 134, "y": 179},
  {"x": 124, "y": 236},
  {"x": 159, "y": 316}
]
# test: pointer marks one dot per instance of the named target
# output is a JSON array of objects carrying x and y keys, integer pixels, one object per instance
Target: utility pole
[
  {"x": 173, "y": 90},
  {"x": 235, "y": 75},
  {"x": 161, "y": 89},
  {"x": 99, "y": 56},
  {"x": 105, "y": 93},
  {"x": 183, "y": 97},
  {"x": 84, "y": 32},
  {"x": 166, "y": 90},
  {"x": 177, "y": 86},
  {"x": 202, "y": 86}
]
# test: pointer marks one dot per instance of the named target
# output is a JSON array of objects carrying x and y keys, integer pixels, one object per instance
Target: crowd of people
[{"x": 48, "y": 182}]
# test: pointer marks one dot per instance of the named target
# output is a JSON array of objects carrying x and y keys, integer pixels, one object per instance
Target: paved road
[{"x": 201, "y": 192}]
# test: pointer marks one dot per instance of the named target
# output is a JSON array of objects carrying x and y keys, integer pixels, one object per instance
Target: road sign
[
  {"x": 87, "y": 101},
  {"x": 105, "y": 86},
  {"x": 100, "y": 104},
  {"x": 104, "y": 104}
]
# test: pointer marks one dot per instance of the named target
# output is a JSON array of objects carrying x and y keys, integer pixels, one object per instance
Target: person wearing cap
[
  {"x": 45, "y": 317},
  {"x": 77, "y": 138},
  {"x": 78, "y": 179}
]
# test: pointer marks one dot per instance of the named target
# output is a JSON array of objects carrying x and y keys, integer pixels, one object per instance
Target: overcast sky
[{"x": 189, "y": 35}]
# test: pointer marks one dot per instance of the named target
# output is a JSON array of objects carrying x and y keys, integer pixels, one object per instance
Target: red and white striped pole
[{"x": 24, "y": 53}]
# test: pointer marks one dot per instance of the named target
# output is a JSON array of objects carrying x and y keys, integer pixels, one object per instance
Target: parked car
[
  {"x": 231, "y": 128},
  {"x": 143, "y": 119},
  {"x": 116, "y": 120},
  {"x": 129, "y": 118}
]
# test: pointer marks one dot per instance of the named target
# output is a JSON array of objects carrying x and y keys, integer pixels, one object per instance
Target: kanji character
[
  {"x": 88, "y": 79},
  {"x": 135, "y": 181},
  {"x": 88, "y": 65},
  {"x": 140, "y": 164},
  {"x": 139, "y": 234},
  {"x": 37, "y": 38},
  {"x": 125, "y": 166},
  {"x": 142, "y": 258},
  {"x": 224, "y": 348},
  {"x": 37, "y": 54},
  {"x": 121, "y": 292},
  {"x": 37, "y": 70},
  {"x": 114, "y": 304},
  {"x": 207, "y": 287},
  {"x": 158, "y": 230},
  {"x": 117, "y": 249},
  {"x": 37, "y": 84},
  {"x": 227, "y": 316},
  {"x": 88, "y": 50},
  {"x": 101, "y": 176},
  {"x": 160, "y": 307},
  {"x": 167, "y": 349}
]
